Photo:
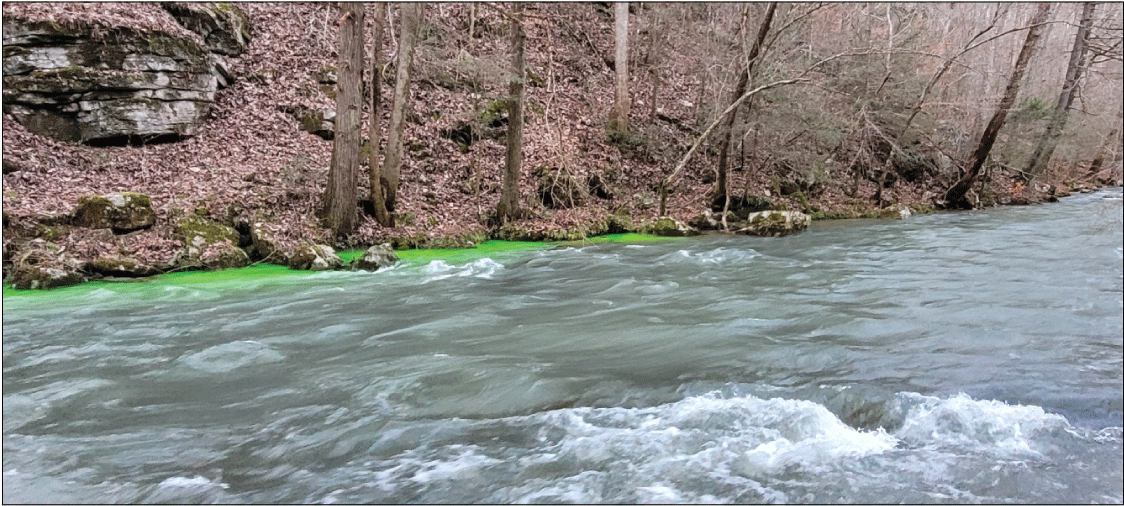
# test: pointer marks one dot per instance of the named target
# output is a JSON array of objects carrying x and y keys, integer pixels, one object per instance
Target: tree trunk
[
  {"x": 343, "y": 176},
  {"x": 392, "y": 169},
  {"x": 1045, "y": 150},
  {"x": 378, "y": 184},
  {"x": 956, "y": 197},
  {"x": 743, "y": 81},
  {"x": 508, "y": 207},
  {"x": 618, "y": 117}
]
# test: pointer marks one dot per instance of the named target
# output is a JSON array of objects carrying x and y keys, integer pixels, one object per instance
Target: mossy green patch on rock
[
  {"x": 123, "y": 212},
  {"x": 669, "y": 227},
  {"x": 206, "y": 241}
]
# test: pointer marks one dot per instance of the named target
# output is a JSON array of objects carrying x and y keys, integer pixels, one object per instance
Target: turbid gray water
[{"x": 968, "y": 357}]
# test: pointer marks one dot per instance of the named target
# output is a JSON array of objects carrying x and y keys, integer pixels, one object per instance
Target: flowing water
[{"x": 970, "y": 357}]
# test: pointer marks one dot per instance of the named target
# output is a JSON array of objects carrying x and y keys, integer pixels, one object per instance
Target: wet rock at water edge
[
  {"x": 43, "y": 277},
  {"x": 775, "y": 223},
  {"x": 670, "y": 227},
  {"x": 122, "y": 212},
  {"x": 40, "y": 266},
  {"x": 120, "y": 267},
  {"x": 315, "y": 257},
  {"x": 375, "y": 258},
  {"x": 210, "y": 244}
]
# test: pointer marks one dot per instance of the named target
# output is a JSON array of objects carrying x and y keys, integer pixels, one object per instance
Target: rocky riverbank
[{"x": 149, "y": 138}]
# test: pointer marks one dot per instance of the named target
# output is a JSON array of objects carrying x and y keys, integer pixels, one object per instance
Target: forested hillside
[{"x": 833, "y": 110}]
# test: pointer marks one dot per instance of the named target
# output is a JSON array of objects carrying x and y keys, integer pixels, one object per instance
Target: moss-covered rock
[
  {"x": 200, "y": 234},
  {"x": 669, "y": 227},
  {"x": 122, "y": 212}
]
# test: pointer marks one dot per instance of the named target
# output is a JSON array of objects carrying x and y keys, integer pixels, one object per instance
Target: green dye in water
[{"x": 248, "y": 278}]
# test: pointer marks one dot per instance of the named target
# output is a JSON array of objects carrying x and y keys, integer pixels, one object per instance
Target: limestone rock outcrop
[{"x": 81, "y": 84}]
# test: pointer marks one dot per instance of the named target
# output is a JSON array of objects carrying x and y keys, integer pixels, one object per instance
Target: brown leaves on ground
[{"x": 252, "y": 162}]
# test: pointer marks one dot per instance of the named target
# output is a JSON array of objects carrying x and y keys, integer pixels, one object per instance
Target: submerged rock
[
  {"x": 121, "y": 212},
  {"x": 775, "y": 223},
  {"x": 375, "y": 258},
  {"x": 315, "y": 257}
]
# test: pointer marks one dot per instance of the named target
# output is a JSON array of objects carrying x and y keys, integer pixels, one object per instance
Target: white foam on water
[
  {"x": 984, "y": 426},
  {"x": 230, "y": 356},
  {"x": 195, "y": 482},
  {"x": 465, "y": 461},
  {"x": 671, "y": 453},
  {"x": 481, "y": 268}
]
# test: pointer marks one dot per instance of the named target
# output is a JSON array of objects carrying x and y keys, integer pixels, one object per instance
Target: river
[{"x": 962, "y": 357}]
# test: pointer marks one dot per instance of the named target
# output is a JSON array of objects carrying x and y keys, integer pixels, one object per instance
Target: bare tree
[
  {"x": 667, "y": 181},
  {"x": 508, "y": 207},
  {"x": 720, "y": 193},
  {"x": 392, "y": 169},
  {"x": 618, "y": 116},
  {"x": 956, "y": 196},
  {"x": 1045, "y": 150},
  {"x": 378, "y": 184},
  {"x": 339, "y": 203}
]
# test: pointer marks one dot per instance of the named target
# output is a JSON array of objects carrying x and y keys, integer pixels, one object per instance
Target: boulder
[
  {"x": 210, "y": 244},
  {"x": 126, "y": 87},
  {"x": 43, "y": 277},
  {"x": 122, "y": 212},
  {"x": 315, "y": 257},
  {"x": 669, "y": 227},
  {"x": 118, "y": 266},
  {"x": 375, "y": 258},
  {"x": 225, "y": 29},
  {"x": 775, "y": 223},
  {"x": 40, "y": 266},
  {"x": 266, "y": 245},
  {"x": 224, "y": 255}
]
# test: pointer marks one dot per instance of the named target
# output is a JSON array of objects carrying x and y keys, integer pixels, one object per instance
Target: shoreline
[{"x": 257, "y": 273}]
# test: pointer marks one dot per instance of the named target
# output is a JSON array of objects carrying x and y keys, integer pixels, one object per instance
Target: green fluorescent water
[{"x": 259, "y": 274}]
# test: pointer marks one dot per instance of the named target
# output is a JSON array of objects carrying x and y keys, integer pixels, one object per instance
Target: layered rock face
[{"x": 79, "y": 84}]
